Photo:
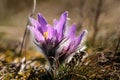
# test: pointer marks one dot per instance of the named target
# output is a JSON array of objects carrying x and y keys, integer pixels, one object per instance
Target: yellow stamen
[{"x": 45, "y": 35}]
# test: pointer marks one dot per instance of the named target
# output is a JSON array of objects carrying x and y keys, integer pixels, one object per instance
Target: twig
[
  {"x": 97, "y": 15},
  {"x": 26, "y": 30},
  {"x": 118, "y": 43}
]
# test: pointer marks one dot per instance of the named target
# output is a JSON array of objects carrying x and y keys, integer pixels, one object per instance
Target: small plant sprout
[{"x": 57, "y": 41}]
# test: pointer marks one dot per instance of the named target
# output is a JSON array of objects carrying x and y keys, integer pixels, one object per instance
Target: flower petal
[
  {"x": 41, "y": 20},
  {"x": 71, "y": 32},
  {"x": 50, "y": 31},
  {"x": 60, "y": 26},
  {"x": 38, "y": 36},
  {"x": 33, "y": 22},
  {"x": 80, "y": 37},
  {"x": 55, "y": 22}
]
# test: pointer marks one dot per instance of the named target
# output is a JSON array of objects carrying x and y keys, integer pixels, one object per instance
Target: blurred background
[{"x": 100, "y": 17}]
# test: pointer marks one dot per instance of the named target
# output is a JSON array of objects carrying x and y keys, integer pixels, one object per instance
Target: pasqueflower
[{"x": 57, "y": 41}]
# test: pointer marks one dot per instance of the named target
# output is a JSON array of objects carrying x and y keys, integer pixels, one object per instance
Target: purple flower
[{"x": 58, "y": 41}]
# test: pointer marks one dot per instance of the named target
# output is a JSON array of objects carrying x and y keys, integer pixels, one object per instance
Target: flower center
[{"x": 45, "y": 34}]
